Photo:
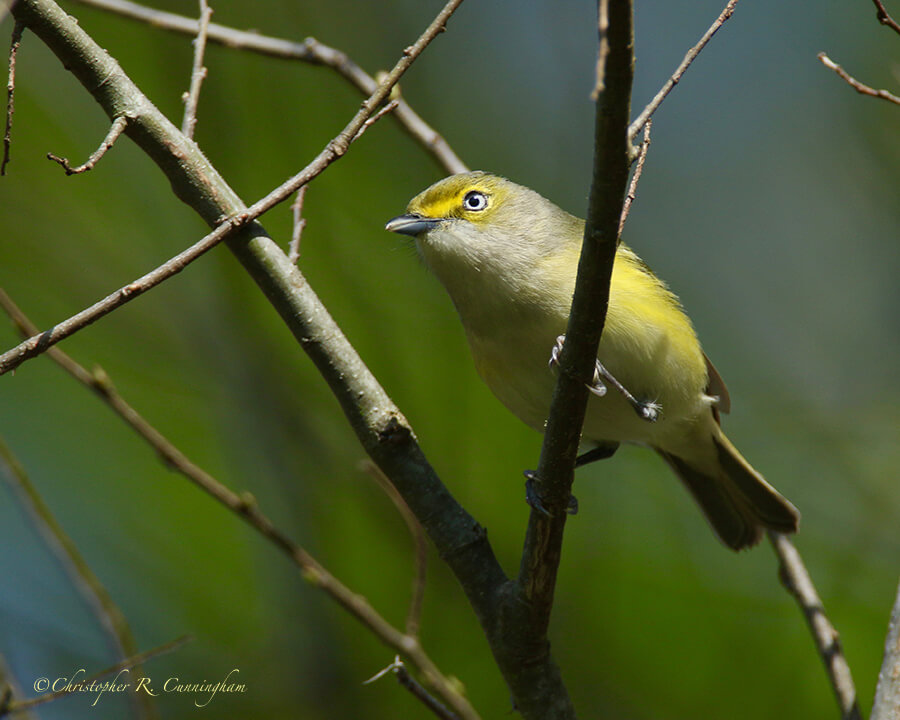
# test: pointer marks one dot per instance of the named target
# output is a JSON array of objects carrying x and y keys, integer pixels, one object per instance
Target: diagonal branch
[
  {"x": 884, "y": 17},
  {"x": 310, "y": 51},
  {"x": 861, "y": 88},
  {"x": 691, "y": 55},
  {"x": 799, "y": 584}
]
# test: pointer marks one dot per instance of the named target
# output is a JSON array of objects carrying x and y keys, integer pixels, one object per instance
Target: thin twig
[
  {"x": 796, "y": 580},
  {"x": 245, "y": 507},
  {"x": 884, "y": 17},
  {"x": 332, "y": 152},
  {"x": 887, "y": 694},
  {"x": 18, "y": 29},
  {"x": 375, "y": 118},
  {"x": 638, "y": 170},
  {"x": 410, "y": 683},
  {"x": 299, "y": 224},
  {"x": 117, "y": 128},
  {"x": 74, "y": 563},
  {"x": 310, "y": 50},
  {"x": 691, "y": 55},
  {"x": 856, "y": 84},
  {"x": 414, "y": 616},
  {"x": 198, "y": 72},
  {"x": 125, "y": 665}
]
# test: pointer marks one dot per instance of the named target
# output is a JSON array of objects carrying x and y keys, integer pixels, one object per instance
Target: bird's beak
[{"x": 413, "y": 225}]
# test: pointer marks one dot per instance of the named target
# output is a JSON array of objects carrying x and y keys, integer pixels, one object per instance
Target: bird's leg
[
  {"x": 601, "y": 452},
  {"x": 648, "y": 410}
]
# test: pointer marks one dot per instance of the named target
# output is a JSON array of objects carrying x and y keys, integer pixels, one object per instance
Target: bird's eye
[{"x": 475, "y": 201}]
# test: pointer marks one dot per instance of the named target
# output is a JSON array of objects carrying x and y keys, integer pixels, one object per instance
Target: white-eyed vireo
[{"x": 508, "y": 258}]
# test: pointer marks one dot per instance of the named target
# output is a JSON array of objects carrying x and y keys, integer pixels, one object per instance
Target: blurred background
[{"x": 768, "y": 202}]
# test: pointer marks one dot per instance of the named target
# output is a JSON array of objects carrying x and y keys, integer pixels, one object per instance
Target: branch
[
  {"x": 299, "y": 224},
  {"x": 194, "y": 179},
  {"x": 18, "y": 29},
  {"x": 409, "y": 682},
  {"x": 117, "y": 128},
  {"x": 798, "y": 583},
  {"x": 856, "y": 84},
  {"x": 76, "y": 567},
  {"x": 887, "y": 694},
  {"x": 884, "y": 18},
  {"x": 310, "y": 51},
  {"x": 198, "y": 72},
  {"x": 414, "y": 616},
  {"x": 692, "y": 54},
  {"x": 135, "y": 661},
  {"x": 635, "y": 179},
  {"x": 244, "y": 506},
  {"x": 537, "y": 576}
]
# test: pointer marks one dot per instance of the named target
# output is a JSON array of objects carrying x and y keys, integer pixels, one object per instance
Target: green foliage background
[{"x": 768, "y": 203}]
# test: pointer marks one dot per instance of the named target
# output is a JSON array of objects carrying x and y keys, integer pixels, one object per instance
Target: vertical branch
[
  {"x": 543, "y": 542},
  {"x": 198, "y": 73},
  {"x": 18, "y": 29},
  {"x": 887, "y": 694}
]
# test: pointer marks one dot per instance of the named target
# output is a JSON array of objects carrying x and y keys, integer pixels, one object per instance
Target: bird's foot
[{"x": 533, "y": 497}]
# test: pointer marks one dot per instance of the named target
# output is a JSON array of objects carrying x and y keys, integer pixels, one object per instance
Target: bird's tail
[{"x": 737, "y": 500}]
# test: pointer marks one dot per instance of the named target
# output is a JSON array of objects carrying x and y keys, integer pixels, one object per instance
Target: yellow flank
[{"x": 508, "y": 259}]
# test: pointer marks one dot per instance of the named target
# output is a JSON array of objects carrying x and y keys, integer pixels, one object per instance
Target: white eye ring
[{"x": 475, "y": 201}]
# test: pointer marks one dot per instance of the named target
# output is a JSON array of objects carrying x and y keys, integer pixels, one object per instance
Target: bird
[{"x": 508, "y": 259}]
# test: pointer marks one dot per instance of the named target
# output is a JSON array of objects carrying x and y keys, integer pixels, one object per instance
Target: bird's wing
[{"x": 717, "y": 387}]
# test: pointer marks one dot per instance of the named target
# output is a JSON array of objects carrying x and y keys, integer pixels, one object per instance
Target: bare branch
[
  {"x": 635, "y": 179},
  {"x": 692, "y": 54},
  {"x": 798, "y": 583},
  {"x": 414, "y": 616},
  {"x": 856, "y": 84},
  {"x": 117, "y": 128},
  {"x": 409, "y": 682},
  {"x": 244, "y": 506},
  {"x": 74, "y": 563},
  {"x": 553, "y": 483},
  {"x": 884, "y": 18},
  {"x": 18, "y": 29},
  {"x": 375, "y": 118},
  {"x": 124, "y": 666},
  {"x": 198, "y": 73},
  {"x": 887, "y": 694},
  {"x": 310, "y": 50},
  {"x": 299, "y": 224},
  {"x": 241, "y": 219}
]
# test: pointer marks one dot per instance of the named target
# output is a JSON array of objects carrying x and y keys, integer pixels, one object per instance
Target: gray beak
[{"x": 413, "y": 225}]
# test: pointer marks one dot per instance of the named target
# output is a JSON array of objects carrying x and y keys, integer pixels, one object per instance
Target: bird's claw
[
  {"x": 533, "y": 497},
  {"x": 648, "y": 410}
]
